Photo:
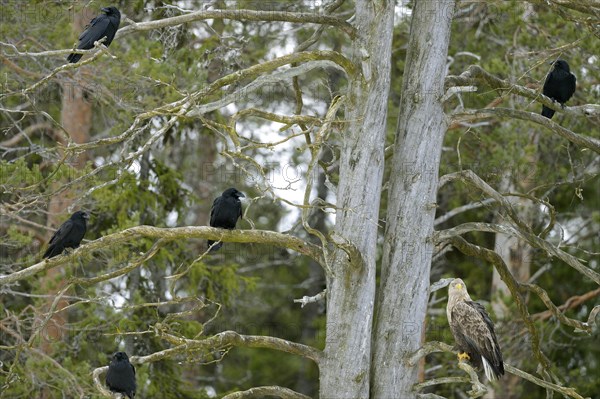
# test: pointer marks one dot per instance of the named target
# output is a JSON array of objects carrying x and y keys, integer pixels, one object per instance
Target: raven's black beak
[
  {"x": 240, "y": 195},
  {"x": 86, "y": 216},
  {"x": 105, "y": 9}
]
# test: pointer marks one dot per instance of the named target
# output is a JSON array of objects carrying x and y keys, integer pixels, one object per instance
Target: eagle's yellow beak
[{"x": 459, "y": 286}]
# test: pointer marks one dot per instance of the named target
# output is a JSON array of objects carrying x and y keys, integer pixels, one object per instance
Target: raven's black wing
[
  {"x": 94, "y": 32},
  {"x": 214, "y": 210},
  {"x": 549, "y": 90},
  {"x": 571, "y": 84},
  {"x": 57, "y": 242},
  {"x": 62, "y": 232}
]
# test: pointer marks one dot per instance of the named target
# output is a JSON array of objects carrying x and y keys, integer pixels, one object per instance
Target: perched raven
[
  {"x": 559, "y": 86},
  {"x": 225, "y": 212},
  {"x": 69, "y": 235},
  {"x": 121, "y": 375},
  {"x": 99, "y": 27}
]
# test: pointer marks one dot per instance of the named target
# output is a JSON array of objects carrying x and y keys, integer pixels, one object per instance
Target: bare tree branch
[
  {"x": 26, "y": 133},
  {"x": 438, "y": 285},
  {"x": 587, "y": 7},
  {"x": 261, "y": 392},
  {"x": 275, "y": 77},
  {"x": 240, "y": 15},
  {"x": 219, "y": 342},
  {"x": 283, "y": 119},
  {"x": 477, "y": 388},
  {"x": 429, "y": 396},
  {"x": 315, "y": 151},
  {"x": 435, "y": 346},
  {"x": 17, "y": 53},
  {"x": 472, "y": 178},
  {"x": 168, "y": 234},
  {"x": 427, "y": 348},
  {"x": 227, "y": 339},
  {"x": 531, "y": 239},
  {"x": 183, "y": 107},
  {"x": 520, "y": 229},
  {"x": 311, "y": 299},
  {"x": 581, "y": 140},
  {"x": 477, "y": 75},
  {"x": 456, "y": 211},
  {"x": 571, "y": 392},
  {"x": 97, "y": 45},
  {"x": 558, "y": 311}
]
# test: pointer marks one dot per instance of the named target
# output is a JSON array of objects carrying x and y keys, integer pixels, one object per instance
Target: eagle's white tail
[{"x": 489, "y": 371}]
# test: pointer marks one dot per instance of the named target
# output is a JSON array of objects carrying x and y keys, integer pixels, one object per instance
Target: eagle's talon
[{"x": 463, "y": 356}]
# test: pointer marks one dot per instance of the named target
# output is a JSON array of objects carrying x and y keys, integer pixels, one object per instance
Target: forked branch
[{"x": 435, "y": 346}]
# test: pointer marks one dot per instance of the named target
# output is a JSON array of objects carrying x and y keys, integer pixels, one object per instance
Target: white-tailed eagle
[{"x": 473, "y": 331}]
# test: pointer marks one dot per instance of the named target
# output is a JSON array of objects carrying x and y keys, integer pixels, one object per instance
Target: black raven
[
  {"x": 104, "y": 25},
  {"x": 225, "y": 212},
  {"x": 69, "y": 235},
  {"x": 559, "y": 86},
  {"x": 121, "y": 375}
]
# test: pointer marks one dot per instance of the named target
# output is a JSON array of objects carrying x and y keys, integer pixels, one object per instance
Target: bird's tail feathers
[
  {"x": 50, "y": 252},
  {"x": 73, "y": 58},
  {"x": 547, "y": 112},
  {"x": 490, "y": 371},
  {"x": 216, "y": 247}
]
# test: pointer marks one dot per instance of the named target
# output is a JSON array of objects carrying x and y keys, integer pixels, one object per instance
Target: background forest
[{"x": 104, "y": 136}]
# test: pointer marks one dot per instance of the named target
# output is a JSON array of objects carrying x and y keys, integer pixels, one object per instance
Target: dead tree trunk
[
  {"x": 517, "y": 254},
  {"x": 344, "y": 371},
  {"x": 407, "y": 250}
]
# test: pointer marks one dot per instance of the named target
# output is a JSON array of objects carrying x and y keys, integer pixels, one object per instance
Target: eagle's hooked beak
[{"x": 459, "y": 286}]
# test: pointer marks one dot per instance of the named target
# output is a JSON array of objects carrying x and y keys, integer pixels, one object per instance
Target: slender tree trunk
[
  {"x": 517, "y": 255},
  {"x": 344, "y": 372},
  {"x": 305, "y": 383},
  {"x": 407, "y": 248},
  {"x": 76, "y": 119}
]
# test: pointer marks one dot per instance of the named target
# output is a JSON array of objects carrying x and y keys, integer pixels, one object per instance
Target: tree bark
[
  {"x": 344, "y": 372},
  {"x": 76, "y": 119},
  {"x": 407, "y": 249}
]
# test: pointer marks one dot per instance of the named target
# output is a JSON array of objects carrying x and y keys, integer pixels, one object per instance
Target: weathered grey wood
[
  {"x": 402, "y": 297},
  {"x": 345, "y": 368}
]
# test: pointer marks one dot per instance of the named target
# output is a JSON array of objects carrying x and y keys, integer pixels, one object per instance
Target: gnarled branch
[
  {"x": 557, "y": 311},
  {"x": 240, "y": 15},
  {"x": 220, "y": 341},
  {"x": 521, "y": 229},
  {"x": 578, "y": 139},
  {"x": 261, "y": 392},
  {"x": 168, "y": 234},
  {"x": 435, "y": 346},
  {"x": 476, "y": 75}
]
